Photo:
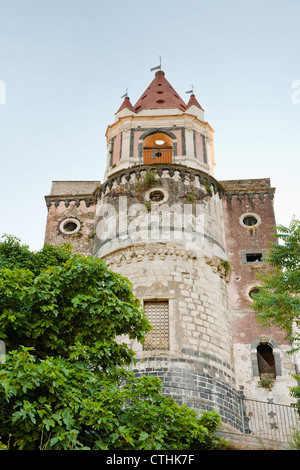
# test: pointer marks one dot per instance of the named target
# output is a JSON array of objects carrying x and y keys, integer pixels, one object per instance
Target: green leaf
[{"x": 49, "y": 423}]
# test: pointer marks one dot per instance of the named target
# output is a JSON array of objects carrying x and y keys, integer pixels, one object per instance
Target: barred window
[{"x": 157, "y": 313}]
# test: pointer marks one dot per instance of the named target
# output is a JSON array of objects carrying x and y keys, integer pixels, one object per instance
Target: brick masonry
[
  {"x": 254, "y": 198},
  {"x": 74, "y": 201}
]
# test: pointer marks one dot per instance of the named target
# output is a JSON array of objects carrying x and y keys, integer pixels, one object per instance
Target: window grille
[{"x": 157, "y": 313}]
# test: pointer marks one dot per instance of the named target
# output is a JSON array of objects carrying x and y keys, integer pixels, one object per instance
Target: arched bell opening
[{"x": 157, "y": 148}]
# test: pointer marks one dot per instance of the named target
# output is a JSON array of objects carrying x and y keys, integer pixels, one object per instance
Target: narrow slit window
[{"x": 157, "y": 313}]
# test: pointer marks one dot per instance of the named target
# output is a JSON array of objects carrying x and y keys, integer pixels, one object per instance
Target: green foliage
[
  {"x": 57, "y": 404},
  {"x": 208, "y": 187},
  {"x": 278, "y": 300},
  {"x": 191, "y": 197},
  {"x": 14, "y": 255},
  {"x": 91, "y": 235},
  {"x": 63, "y": 384},
  {"x": 267, "y": 381},
  {"x": 226, "y": 265},
  {"x": 295, "y": 440},
  {"x": 148, "y": 206},
  {"x": 79, "y": 304},
  {"x": 150, "y": 178},
  {"x": 295, "y": 391}
]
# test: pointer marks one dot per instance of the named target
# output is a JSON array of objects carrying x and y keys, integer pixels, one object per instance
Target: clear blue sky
[{"x": 66, "y": 63}]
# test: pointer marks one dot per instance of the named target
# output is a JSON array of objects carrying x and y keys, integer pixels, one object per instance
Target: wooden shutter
[{"x": 157, "y": 313}]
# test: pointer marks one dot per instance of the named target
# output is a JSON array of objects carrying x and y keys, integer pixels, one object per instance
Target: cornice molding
[
  {"x": 89, "y": 200},
  {"x": 163, "y": 170},
  {"x": 148, "y": 252},
  {"x": 250, "y": 194}
]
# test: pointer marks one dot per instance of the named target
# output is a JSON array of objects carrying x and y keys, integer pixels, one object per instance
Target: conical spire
[
  {"x": 193, "y": 101},
  {"x": 126, "y": 104},
  {"x": 159, "y": 95}
]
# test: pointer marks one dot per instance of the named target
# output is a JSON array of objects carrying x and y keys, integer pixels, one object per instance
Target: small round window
[
  {"x": 250, "y": 220},
  {"x": 69, "y": 226},
  {"x": 253, "y": 291},
  {"x": 156, "y": 196}
]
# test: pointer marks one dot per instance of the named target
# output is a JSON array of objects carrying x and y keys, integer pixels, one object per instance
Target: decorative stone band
[
  {"x": 142, "y": 251},
  {"x": 149, "y": 252},
  {"x": 249, "y": 187},
  {"x": 240, "y": 195},
  {"x": 167, "y": 250},
  {"x": 89, "y": 200},
  {"x": 162, "y": 171}
]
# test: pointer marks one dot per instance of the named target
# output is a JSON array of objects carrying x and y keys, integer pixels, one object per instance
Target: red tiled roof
[
  {"x": 159, "y": 95},
  {"x": 193, "y": 101},
  {"x": 126, "y": 104}
]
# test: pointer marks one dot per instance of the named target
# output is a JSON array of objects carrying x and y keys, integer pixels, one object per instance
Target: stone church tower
[{"x": 191, "y": 247}]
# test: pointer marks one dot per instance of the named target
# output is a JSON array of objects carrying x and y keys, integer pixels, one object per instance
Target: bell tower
[
  {"x": 159, "y": 222},
  {"x": 160, "y": 128}
]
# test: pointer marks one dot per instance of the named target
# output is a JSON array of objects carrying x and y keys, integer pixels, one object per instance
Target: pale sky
[{"x": 64, "y": 65}]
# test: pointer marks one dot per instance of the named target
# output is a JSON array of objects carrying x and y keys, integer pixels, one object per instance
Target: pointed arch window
[{"x": 265, "y": 358}]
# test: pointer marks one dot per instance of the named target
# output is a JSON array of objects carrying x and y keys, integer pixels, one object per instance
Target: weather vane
[
  {"x": 125, "y": 94},
  {"x": 192, "y": 90},
  {"x": 158, "y": 67}
]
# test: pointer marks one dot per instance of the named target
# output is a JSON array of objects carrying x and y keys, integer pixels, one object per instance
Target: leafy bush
[{"x": 63, "y": 384}]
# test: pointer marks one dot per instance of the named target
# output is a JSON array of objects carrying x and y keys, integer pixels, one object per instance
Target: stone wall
[
  {"x": 199, "y": 361},
  {"x": 190, "y": 275}
]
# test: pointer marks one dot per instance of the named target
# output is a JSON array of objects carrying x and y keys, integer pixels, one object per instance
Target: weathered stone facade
[
  {"x": 191, "y": 247},
  {"x": 253, "y": 198},
  {"x": 72, "y": 203}
]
